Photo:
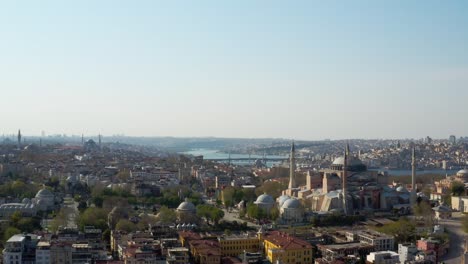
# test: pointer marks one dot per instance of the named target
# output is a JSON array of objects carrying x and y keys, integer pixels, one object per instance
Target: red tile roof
[{"x": 286, "y": 241}]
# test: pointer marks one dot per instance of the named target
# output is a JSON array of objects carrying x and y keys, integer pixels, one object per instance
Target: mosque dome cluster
[{"x": 354, "y": 164}]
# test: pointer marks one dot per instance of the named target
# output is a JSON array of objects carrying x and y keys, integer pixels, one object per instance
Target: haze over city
[
  {"x": 233, "y": 132},
  {"x": 303, "y": 69}
]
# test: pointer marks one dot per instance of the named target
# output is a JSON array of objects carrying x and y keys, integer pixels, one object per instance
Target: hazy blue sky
[{"x": 293, "y": 69}]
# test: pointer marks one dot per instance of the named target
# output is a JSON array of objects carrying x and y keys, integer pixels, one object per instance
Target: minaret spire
[
  {"x": 413, "y": 177},
  {"x": 19, "y": 138},
  {"x": 292, "y": 168},
  {"x": 345, "y": 179}
]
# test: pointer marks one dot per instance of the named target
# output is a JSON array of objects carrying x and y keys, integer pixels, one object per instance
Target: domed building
[
  {"x": 90, "y": 146},
  {"x": 291, "y": 211},
  {"x": 443, "y": 186},
  {"x": 462, "y": 175},
  {"x": 186, "y": 207},
  {"x": 45, "y": 200},
  {"x": 265, "y": 202},
  {"x": 186, "y": 212},
  {"x": 354, "y": 164},
  {"x": 282, "y": 199},
  {"x": 363, "y": 189}
]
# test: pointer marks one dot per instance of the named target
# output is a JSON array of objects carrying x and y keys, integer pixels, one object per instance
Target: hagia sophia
[{"x": 346, "y": 187}]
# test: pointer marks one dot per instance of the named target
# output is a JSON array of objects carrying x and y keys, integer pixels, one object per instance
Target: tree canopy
[
  {"x": 457, "y": 188},
  {"x": 210, "y": 213},
  {"x": 125, "y": 225}
]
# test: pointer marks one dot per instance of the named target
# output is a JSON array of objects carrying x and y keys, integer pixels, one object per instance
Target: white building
[
  {"x": 381, "y": 242},
  {"x": 26, "y": 209},
  {"x": 17, "y": 246},
  {"x": 383, "y": 257},
  {"x": 460, "y": 203},
  {"x": 43, "y": 253},
  {"x": 407, "y": 252}
]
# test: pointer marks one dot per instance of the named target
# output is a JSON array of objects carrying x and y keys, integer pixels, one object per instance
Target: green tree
[
  {"x": 273, "y": 188},
  {"x": 403, "y": 230},
  {"x": 98, "y": 201},
  {"x": 457, "y": 188},
  {"x": 210, "y": 213},
  {"x": 216, "y": 214},
  {"x": 9, "y": 232},
  {"x": 125, "y": 225},
  {"x": 424, "y": 212},
  {"x": 29, "y": 224},
  {"x": 15, "y": 218},
  {"x": 166, "y": 215},
  {"x": 93, "y": 216},
  {"x": 60, "y": 219},
  {"x": 253, "y": 211},
  {"x": 274, "y": 213}
]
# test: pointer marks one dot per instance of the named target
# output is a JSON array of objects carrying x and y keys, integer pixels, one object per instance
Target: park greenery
[
  {"x": 404, "y": 230},
  {"x": 210, "y": 213},
  {"x": 19, "y": 189}
]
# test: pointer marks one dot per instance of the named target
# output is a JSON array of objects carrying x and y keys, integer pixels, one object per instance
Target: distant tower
[
  {"x": 82, "y": 139},
  {"x": 19, "y": 138},
  {"x": 100, "y": 141},
  {"x": 345, "y": 180},
  {"x": 40, "y": 142},
  {"x": 292, "y": 168},
  {"x": 413, "y": 177}
]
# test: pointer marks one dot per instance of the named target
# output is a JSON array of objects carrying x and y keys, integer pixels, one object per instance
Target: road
[
  {"x": 457, "y": 238},
  {"x": 234, "y": 216},
  {"x": 71, "y": 209}
]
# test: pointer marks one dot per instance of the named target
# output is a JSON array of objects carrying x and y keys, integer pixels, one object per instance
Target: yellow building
[
  {"x": 205, "y": 251},
  {"x": 285, "y": 248},
  {"x": 234, "y": 245}
]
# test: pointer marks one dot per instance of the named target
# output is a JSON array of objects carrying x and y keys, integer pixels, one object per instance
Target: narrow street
[
  {"x": 71, "y": 209},
  {"x": 457, "y": 239}
]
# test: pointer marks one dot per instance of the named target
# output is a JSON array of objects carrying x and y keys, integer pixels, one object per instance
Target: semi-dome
[
  {"x": 291, "y": 204},
  {"x": 265, "y": 199},
  {"x": 26, "y": 201},
  {"x": 44, "y": 193},
  {"x": 186, "y": 206},
  {"x": 282, "y": 199},
  {"x": 353, "y": 164}
]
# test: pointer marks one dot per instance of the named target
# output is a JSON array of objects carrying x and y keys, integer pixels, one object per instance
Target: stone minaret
[
  {"x": 19, "y": 138},
  {"x": 345, "y": 180},
  {"x": 292, "y": 168},
  {"x": 413, "y": 177}
]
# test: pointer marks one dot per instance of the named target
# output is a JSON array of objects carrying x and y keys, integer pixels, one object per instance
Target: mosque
[
  {"x": 443, "y": 186},
  {"x": 43, "y": 201},
  {"x": 347, "y": 187}
]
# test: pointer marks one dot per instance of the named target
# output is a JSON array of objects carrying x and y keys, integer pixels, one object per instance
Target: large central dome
[{"x": 354, "y": 164}]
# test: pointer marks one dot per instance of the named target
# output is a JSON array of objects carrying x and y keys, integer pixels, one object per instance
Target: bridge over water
[{"x": 247, "y": 159}]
